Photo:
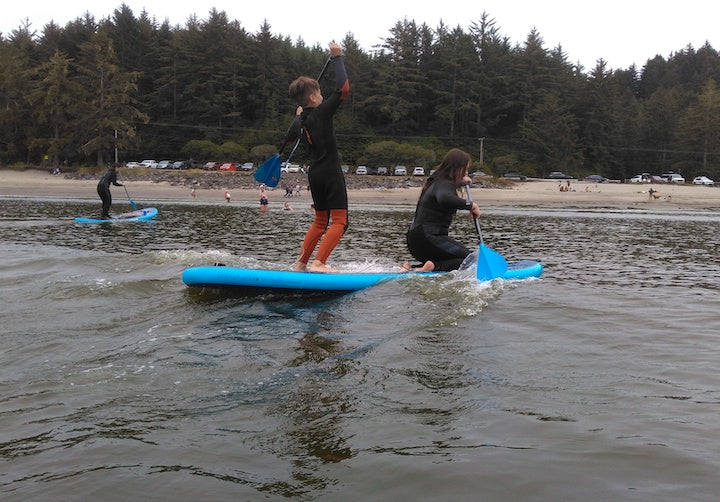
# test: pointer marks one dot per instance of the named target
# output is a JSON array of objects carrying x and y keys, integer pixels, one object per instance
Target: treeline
[{"x": 129, "y": 87}]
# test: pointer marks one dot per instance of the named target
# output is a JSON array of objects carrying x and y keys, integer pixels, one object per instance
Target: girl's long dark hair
[{"x": 453, "y": 167}]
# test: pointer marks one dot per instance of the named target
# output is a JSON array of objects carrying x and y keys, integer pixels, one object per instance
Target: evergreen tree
[
  {"x": 600, "y": 124},
  {"x": 491, "y": 77},
  {"x": 402, "y": 101},
  {"x": 53, "y": 98},
  {"x": 455, "y": 97},
  {"x": 699, "y": 131},
  {"x": 106, "y": 108},
  {"x": 17, "y": 129},
  {"x": 550, "y": 135}
]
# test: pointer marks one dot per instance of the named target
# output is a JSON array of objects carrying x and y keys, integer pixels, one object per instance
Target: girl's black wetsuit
[{"x": 428, "y": 237}]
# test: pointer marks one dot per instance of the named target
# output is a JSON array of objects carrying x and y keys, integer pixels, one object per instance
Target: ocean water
[{"x": 598, "y": 381}]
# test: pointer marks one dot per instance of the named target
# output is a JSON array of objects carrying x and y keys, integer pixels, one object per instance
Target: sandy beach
[{"x": 528, "y": 194}]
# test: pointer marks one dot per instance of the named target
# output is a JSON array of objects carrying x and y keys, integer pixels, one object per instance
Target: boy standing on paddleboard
[{"x": 326, "y": 179}]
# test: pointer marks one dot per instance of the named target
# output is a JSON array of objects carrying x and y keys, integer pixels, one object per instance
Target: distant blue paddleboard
[
  {"x": 274, "y": 280},
  {"x": 138, "y": 215}
]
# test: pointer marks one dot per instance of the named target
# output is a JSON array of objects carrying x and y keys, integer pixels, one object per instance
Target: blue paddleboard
[
  {"x": 231, "y": 277},
  {"x": 147, "y": 213}
]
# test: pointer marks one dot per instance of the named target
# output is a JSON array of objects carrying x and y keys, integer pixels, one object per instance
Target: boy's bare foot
[
  {"x": 300, "y": 267},
  {"x": 318, "y": 266}
]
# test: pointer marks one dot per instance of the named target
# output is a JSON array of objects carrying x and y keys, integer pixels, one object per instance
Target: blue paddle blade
[
  {"x": 269, "y": 172},
  {"x": 132, "y": 203},
  {"x": 490, "y": 264}
]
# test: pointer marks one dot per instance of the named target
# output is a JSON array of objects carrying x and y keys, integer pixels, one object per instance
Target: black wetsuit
[
  {"x": 103, "y": 190},
  {"x": 428, "y": 237},
  {"x": 326, "y": 179}
]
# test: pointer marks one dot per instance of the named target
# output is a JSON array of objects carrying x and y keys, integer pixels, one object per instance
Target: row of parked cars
[
  {"x": 163, "y": 164},
  {"x": 228, "y": 166},
  {"x": 183, "y": 164},
  {"x": 670, "y": 178},
  {"x": 384, "y": 171}
]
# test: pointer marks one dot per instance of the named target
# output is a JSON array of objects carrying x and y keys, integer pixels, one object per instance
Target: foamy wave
[{"x": 186, "y": 256}]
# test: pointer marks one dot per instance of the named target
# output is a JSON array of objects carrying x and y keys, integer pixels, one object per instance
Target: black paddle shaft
[{"x": 477, "y": 223}]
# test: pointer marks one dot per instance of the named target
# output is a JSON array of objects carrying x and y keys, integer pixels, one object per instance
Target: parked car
[
  {"x": 515, "y": 176},
  {"x": 703, "y": 180},
  {"x": 164, "y": 164},
  {"x": 641, "y": 178},
  {"x": 419, "y": 171},
  {"x": 361, "y": 170},
  {"x": 476, "y": 174},
  {"x": 672, "y": 178},
  {"x": 228, "y": 166},
  {"x": 400, "y": 171},
  {"x": 211, "y": 166},
  {"x": 247, "y": 166},
  {"x": 290, "y": 168},
  {"x": 559, "y": 175},
  {"x": 382, "y": 171},
  {"x": 132, "y": 163},
  {"x": 179, "y": 164},
  {"x": 595, "y": 178},
  {"x": 345, "y": 168},
  {"x": 148, "y": 163}
]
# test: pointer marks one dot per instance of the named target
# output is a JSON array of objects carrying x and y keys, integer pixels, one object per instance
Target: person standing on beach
[
  {"x": 103, "y": 189},
  {"x": 428, "y": 240},
  {"x": 263, "y": 198},
  {"x": 326, "y": 179}
]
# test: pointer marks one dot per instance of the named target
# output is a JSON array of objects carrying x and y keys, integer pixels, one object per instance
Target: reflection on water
[{"x": 602, "y": 371}]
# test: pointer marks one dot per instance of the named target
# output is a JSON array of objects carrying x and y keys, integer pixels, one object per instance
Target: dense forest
[{"x": 127, "y": 88}]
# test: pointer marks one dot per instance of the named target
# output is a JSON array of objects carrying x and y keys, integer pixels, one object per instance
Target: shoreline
[{"x": 541, "y": 194}]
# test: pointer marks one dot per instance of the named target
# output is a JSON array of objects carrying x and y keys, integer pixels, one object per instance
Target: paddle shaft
[
  {"x": 132, "y": 202},
  {"x": 490, "y": 264},
  {"x": 477, "y": 222}
]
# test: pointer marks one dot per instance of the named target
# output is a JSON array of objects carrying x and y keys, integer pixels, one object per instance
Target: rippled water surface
[{"x": 598, "y": 381}]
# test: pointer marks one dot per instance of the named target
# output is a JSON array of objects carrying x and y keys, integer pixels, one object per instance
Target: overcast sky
[{"x": 620, "y": 32}]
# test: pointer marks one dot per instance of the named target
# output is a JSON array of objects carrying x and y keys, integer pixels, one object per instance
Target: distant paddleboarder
[{"x": 103, "y": 189}]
